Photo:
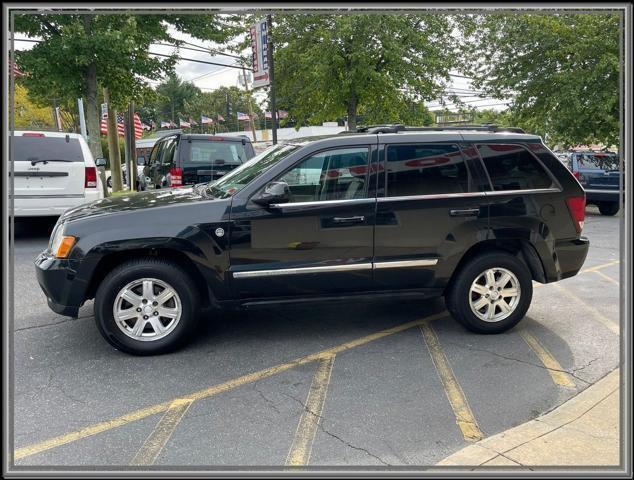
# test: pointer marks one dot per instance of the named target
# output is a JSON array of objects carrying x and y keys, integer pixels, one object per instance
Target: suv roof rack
[{"x": 395, "y": 128}]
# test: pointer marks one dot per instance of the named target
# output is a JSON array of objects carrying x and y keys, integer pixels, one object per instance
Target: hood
[{"x": 135, "y": 201}]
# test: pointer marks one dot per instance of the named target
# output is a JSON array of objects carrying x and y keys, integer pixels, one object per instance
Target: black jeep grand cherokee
[{"x": 474, "y": 214}]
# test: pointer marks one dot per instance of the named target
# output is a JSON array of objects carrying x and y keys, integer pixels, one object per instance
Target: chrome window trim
[
  {"x": 336, "y": 268},
  {"x": 406, "y": 263},
  {"x": 301, "y": 270},
  {"x": 323, "y": 202},
  {"x": 470, "y": 194}
]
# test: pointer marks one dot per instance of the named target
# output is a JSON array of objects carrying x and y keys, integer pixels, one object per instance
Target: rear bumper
[
  {"x": 56, "y": 278},
  {"x": 50, "y": 205},
  {"x": 569, "y": 257},
  {"x": 599, "y": 195}
]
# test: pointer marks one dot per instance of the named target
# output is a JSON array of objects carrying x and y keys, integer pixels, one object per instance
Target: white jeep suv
[{"x": 52, "y": 172}]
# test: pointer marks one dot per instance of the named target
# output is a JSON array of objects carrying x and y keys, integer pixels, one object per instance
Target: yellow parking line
[
  {"x": 299, "y": 453},
  {"x": 606, "y": 277},
  {"x": 557, "y": 373},
  {"x": 614, "y": 327},
  {"x": 155, "y": 442},
  {"x": 214, "y": 390},
  {"x": 600, "y": 267},
  {"x": 464, "y": 416}
]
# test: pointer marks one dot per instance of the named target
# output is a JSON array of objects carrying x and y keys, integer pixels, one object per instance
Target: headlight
[{"x": 61, "y": 244}]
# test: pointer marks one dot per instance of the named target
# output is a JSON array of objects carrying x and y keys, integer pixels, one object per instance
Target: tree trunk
[
  {"x": 352, "y": 113},
  {"x": 113, "y": 145},
  {"x": 93, "y": 119}
]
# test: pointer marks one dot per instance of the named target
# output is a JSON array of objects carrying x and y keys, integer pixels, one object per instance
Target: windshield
[
  {"x": 240, "y": 177},
  {"x": 603, "y": 161}
]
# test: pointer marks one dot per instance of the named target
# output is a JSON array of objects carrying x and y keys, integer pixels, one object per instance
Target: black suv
[
  {"x": 474, "y": 215},
  {"x": 186, "y": 159}
]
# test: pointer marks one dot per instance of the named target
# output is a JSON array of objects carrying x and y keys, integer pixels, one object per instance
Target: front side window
[
  {"x": 339, "y": 174},
  {"x": 512, "y": 167},
  {"x": 167, "y": 155},
  {"x": 425, "y": 169}
]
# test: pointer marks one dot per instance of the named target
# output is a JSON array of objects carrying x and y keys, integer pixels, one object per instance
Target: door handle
[
  {"x": 356, "y": 219},
  {"x": 464, "y": 212}
]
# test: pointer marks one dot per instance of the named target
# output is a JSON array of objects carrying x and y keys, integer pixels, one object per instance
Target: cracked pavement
[{"x": 385, "y": 404}]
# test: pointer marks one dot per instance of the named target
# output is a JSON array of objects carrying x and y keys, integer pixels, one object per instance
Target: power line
[{"x": 197, "y": 61}]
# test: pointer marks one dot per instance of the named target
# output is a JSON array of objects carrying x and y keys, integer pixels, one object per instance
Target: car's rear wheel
[
  {"x": 491, "y": 293},
  {"x": 608, "y": 208},
  {"x": 146, "y": 307},
  {"x": 109, "y": 182}
]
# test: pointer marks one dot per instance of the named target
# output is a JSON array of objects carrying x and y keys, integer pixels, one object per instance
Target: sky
[{"x": 210, "y": 77}]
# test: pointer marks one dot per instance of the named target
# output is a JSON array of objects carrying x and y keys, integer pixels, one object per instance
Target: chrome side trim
[
  {"x": 614, "y": 191},
  {"x": 324, "y": 203},
  {"x": 407, "y": 263},
  {"x": 432, "y": 197},
  {"x": 523, "y": 192},
  {"x": 302, "y": 270},
  {"x": 469, "y": 194}
]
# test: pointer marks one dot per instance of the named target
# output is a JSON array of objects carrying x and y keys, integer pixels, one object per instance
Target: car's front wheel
[
  {"x": 146, "y": 306},
  {"x": 491, "y": 293}
]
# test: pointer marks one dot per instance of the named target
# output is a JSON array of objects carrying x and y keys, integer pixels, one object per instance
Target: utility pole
[
  {"x": 113, "y": 144},
  {"x": 82, "y": 118},
  {"x": 246, "y": 88},
  {"x": 269, "y": 54}
]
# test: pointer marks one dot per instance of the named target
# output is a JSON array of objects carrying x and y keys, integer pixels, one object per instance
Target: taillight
[
  {"x": 91, "y": 177},
  {"x": 176, "y": 175},
  {"x": 577, "y": 208}
]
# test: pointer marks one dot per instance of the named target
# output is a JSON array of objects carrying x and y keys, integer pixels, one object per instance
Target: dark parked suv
[
  {"x": 186, "y": 159},
  {"x": 474, "y": 215},
  {"x": 599, "y": 175}
]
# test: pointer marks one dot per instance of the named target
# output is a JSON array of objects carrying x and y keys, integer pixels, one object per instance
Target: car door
[
  {"x": 166, "y": 164},
  {"x": 151, "y": 170},
  {"x": 431, "y": 208},
  {"x": 320, "y": 242}
]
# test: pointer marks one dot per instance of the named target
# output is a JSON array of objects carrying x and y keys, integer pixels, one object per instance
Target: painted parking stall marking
[
  {"x": 299, "y": 453},
  {"x": 464, "y": 416},
  {"x": 558, "y": 374}
]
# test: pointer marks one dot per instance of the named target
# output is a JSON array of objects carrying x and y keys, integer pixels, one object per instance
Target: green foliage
[
  {"x": 226, "y": 101},
  {"x": 561, "y": 71},
  {"x": 378, "y": 66},
  {"x": 106, "y": 153},
  {"x": 172, "y": 96},
  {"x": 118, "y": 45},
  {"x": 28, "y": 114}
]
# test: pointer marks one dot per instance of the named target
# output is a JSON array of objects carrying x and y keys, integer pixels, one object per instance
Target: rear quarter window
[
  {"x": 513, "y": 167},
  {"x": 29, "y": 149}
]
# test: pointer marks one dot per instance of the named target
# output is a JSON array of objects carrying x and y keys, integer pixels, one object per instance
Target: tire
[
  {"x": 608, "y": 208},
  {"x": 109, "y": 182},
  {"x": 163, "y": 274},
  {"x": 460, "y": 297}
]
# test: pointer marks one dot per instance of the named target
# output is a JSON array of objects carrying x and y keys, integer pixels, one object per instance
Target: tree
[
  {"x": 81, "y": 52},
  {"x": 29, "y": 115},
  {"x": 333, "y": 66},
  {"x": 226, "y": 101},
  {"x": 561, "y": 71},
  {"x": 172, "y": 96}
]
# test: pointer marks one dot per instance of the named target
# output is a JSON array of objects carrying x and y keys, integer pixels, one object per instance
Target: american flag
[
  {"x": 242, "y": 116},
  {"x": 192, "y": 121},
  {"x": 138, "y": 128},
  {"x": 280, "y": 114},
  {"x": 205, "y": 120},
  {"x": 183, "y": 123},
  {"x": 16, "y": 71},
  {"x": 221, "y": 118}
]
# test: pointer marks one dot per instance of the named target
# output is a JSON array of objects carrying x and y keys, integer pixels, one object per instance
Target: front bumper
[{"x": 57, "y": 280}]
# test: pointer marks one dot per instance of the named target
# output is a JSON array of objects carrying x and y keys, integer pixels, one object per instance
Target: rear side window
[
  {"x": 425, "y": 169},
  {"x": 156, "y": 151},
  {"x": 217, "y": 153},
  {"x": 512, "y": 167},
  {"x": 599, "y": 161},
  {"x": 167, "y": 154},
  {"x": 29, "y": 149}
]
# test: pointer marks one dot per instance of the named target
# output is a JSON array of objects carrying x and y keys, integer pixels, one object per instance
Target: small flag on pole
[
  {"x": 221, "y": 118},
  {"x": 183, "y": 123},
  {"x": 243, "y": 116},
  {"x": 206, "y": 120},
  {"x": 165, "y": 124}
]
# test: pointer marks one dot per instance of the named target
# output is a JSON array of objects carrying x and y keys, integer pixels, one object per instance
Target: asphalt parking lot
[{"x": 346, "y": 385}]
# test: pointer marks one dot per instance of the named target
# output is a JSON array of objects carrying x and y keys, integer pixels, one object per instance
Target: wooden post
[{"x": 113, "y": 144}]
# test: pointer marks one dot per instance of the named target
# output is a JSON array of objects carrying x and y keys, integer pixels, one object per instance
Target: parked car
[
  {"x": 52, "y": 172},
  {"x": 186, "y": 159},
  {"x": 474, "y": 215},
  {"x": 140, "y": 178},
  {"x": 598, "y": 173}
]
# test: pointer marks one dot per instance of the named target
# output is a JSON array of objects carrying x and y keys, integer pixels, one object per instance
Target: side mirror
[
  {"x": 100, "y": 162},
  {"x": 140, "y": 161},
  {"x": 274, "y": 192}
]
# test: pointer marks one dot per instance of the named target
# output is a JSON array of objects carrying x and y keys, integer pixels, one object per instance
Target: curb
[{"x": 575, "y": 433}]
